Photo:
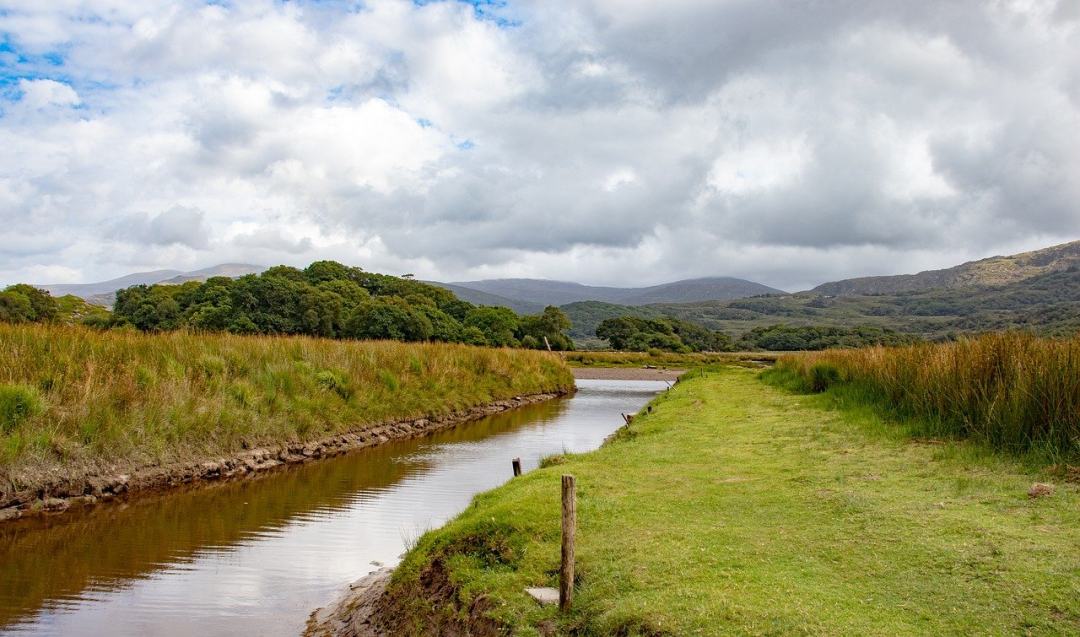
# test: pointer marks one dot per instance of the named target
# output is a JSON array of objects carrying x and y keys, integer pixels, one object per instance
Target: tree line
[
  {"x": 332, "y": 300},
  {"x": 632, "y": 333}
]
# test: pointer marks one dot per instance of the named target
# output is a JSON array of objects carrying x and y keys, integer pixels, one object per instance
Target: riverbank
[
  {"x": 626, "y": 373},
  {"x": 64, "y": 493},
  {"x": 90, "y": 416},
  {"x": 735, "y": 507}
]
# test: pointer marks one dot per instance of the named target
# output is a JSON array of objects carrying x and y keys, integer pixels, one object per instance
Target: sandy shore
[{"x": 626, "y": 373}]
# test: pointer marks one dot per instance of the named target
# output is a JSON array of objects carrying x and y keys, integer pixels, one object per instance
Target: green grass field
[{"x": 739, "y": 508}]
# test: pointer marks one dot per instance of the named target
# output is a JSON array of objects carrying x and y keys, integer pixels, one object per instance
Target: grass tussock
[
  {"x": 73, "y": 398},
  {"x": 1013, "y": 391}
]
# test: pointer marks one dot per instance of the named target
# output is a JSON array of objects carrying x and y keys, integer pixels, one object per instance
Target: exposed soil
[
  {"x": 627, "y": 373},
  {"x": 60, "y": 494},
  {"x": 351, "y": 615},
  {"x": 370, "y": 608}
]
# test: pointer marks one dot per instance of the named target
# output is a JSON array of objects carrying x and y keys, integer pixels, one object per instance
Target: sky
[{"x": 615, "y": 142}]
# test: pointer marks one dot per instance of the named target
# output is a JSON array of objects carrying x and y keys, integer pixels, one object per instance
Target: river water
[{"x": 257, "y": 556}]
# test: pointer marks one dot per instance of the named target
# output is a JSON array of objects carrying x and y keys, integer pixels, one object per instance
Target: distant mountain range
[
  {"x": 992, "y": 271},
  {"x": 1038, "y": 290},
  {"x": 104, "y": 292},
  {"x": 537, "y": 293}
]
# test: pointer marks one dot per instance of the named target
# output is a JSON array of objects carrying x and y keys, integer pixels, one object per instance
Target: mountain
[
  {"x": 1047, "y": 303},
  {"x": 84, "y": 290},
  {"x": 992, "y": 271},
  {"x": 104, "y": 292},
  {"x": 545, "y": 292},
  {"x": 478, "y": 297},
  {"x": 231, "y": 270}
]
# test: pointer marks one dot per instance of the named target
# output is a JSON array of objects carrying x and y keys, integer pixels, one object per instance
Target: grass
[
  {"x": 74, "y": 400},
  {"x": 663, "y": 359},
  {"x": 1012, "y": 391},
  {"x": 738, "y": 508}
]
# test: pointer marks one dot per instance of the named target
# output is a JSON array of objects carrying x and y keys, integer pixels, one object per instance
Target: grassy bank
[
  {"x": 74, "y": 400},
  {"x": 1012, "y": 391},
  {"x": 737, "y": 507}
]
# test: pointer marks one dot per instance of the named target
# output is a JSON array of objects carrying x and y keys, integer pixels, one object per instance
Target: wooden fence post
[
  {"x": 516, "y": 462},
  {"x": 569, "y": 526}
]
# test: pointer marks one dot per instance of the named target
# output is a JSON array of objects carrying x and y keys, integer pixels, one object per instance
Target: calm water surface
[{"x": 256, "y": 556}]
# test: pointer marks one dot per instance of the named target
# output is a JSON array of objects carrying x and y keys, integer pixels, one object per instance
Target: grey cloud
[
  {"x": 925, "y": 130},
  {"x": 273, "y": 240},
  {"x": 176, "y": 226}
]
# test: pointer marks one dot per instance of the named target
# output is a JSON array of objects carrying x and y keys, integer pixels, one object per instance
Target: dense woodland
[{"x": 332, "y": 300}]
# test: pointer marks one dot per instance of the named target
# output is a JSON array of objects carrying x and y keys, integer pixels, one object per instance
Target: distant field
[{"x": 74, "y": 399}]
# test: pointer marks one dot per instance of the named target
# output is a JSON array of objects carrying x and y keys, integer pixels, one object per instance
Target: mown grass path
[{"x": 738, "y": 508}]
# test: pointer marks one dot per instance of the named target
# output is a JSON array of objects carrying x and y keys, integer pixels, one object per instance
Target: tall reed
[
  {"x": 83, "y": 397},
  {"x": 1012, "y": 390}
]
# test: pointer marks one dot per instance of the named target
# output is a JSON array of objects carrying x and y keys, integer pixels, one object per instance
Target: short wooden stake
[
  {"x": 517, "y": 466},
  {"x": 569, "y": 526}
]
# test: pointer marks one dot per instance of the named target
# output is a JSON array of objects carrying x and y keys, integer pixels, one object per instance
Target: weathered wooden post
[
  {"x": 516, "y": 462},
  {"x": 569, "y": 526}
]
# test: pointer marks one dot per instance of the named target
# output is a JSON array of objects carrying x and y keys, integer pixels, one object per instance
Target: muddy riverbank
[
  {"x": 56, "y": 496},
  {"x": 627, "y": 373}
]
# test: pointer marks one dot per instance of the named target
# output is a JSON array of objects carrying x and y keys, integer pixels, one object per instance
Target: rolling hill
[
  {"x": 478, "y": 297},
  {"x": 997, "y": 270},
  {"x": 104, "y": 292},
  {"x": 544, "y": 292},
  {"x": 1037, "y": 291}
]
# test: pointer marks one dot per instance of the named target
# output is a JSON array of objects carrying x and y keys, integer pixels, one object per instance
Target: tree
[
  {"x": 15, "y": 308},
  {"x": 498, "y": 324},
  {"x": 389, "y": 318},
  {"x": 551, "y": 324},
  {"x": 43, "y": 306}
]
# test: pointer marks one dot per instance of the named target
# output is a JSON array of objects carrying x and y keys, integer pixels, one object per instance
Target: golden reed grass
[
  {"x": 1012, "y": 390},
  {"x": 78, "y": 396}
]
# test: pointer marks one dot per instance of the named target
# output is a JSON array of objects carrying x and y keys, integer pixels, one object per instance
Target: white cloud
[{"x": 608, "y": 141}]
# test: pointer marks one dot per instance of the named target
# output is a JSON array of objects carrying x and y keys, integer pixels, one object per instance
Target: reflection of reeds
[
  {"x": 1011, "y": 390},
  {"x": 110, "y": 398}
]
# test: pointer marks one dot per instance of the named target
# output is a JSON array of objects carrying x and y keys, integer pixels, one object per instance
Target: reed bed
[
  {"x": 1014, "y": 391},
  {"x": 73, "y": 396}
]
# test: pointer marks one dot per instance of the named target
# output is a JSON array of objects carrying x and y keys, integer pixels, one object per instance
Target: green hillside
[{"x": 1048, "y": 304}]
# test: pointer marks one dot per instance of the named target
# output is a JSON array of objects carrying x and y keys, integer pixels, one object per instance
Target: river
[{"x": 257, "y": 556}]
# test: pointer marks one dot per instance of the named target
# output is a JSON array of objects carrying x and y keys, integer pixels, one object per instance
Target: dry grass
[
  {"x": 1012, "y": 390},
  {"x": 91, "y": 399}
]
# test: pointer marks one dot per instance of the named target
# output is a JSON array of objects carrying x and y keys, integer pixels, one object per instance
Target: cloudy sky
[{"x": 604, "y": 141}]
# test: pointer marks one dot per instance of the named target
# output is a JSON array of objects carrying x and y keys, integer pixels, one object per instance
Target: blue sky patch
[{"x": 483, "y": 10}]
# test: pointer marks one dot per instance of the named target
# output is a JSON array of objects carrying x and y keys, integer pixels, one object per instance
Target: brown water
[{"x": 256, "y": 556}]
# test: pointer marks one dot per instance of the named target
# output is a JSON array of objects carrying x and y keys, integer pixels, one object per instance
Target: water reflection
[{"x": 256, "y": 556}]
